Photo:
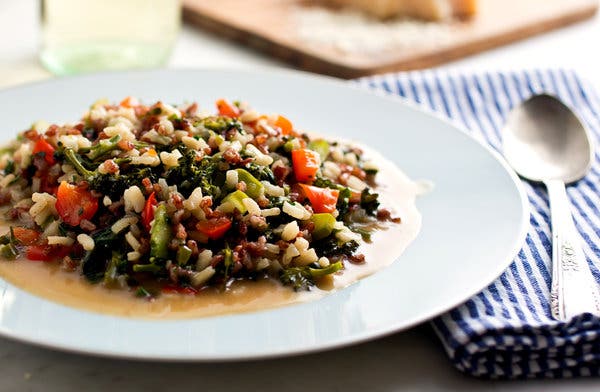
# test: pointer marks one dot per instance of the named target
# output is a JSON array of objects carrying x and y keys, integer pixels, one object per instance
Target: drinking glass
[{"x": 91, "y": 35}]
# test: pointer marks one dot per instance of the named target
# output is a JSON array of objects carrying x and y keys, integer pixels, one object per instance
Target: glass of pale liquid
[{"x": 91, "y": 35}]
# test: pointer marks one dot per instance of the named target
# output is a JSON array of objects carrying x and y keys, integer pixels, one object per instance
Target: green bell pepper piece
[
  {"x": 160, "y": 234},
  {"x": 183, "y": 254},
  {"x": 320, "y": 146},
  {"x": 254, "y": 188},
  {"x": 236, "y": 198},
  {"x": 323, "y": 225}
]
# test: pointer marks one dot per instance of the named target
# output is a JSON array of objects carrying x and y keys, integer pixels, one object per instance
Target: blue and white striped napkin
[{"x": 506, "y": 331}]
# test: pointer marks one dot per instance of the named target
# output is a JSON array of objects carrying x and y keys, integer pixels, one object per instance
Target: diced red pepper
[
  {"x": 321, "y": 199},
  {"x": 75, "y": 203},
  {"x": 148, "y": 211},
  {"x": 225, "y": 108},
  {"x": 26, "y": 236},
  {"x": 285, "y": 125},
  {"x": 39, "y": 253},
  {"x": 306, "y": 164},
  {"x": 129, "y": 102},
  {"x": 173, "y": 289},
  {"x": 214, "y": 228},
  {"x": 42, "y": 146},
  {"x": 47, "y": 252}
]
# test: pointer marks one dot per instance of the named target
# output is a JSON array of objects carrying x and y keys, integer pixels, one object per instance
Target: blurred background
[{"x": 336, "y": 37}]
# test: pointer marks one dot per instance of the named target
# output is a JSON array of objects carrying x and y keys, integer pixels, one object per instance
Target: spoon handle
[{"x": 574, "y": 290}]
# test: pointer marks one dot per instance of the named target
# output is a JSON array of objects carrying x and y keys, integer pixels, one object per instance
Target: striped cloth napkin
[{"x": 506, "y": 331}]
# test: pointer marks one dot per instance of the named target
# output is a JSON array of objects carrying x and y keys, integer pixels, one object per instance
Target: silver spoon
[{"x": 545, "y": 142}]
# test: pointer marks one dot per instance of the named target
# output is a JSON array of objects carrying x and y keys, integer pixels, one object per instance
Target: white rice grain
[
  {"x": 259, "y": 158},
  {"x": 350, "y": 159},
  {"x": 133, "y": 256},
  {"x": 231, "y": 178},
  {"x": 290, "y": 231},
  {"x": 249, "y": 116},
  {"x": 149, "y": 158},
  {"x": 262, "y": 263},
  {"x": 301, "y": 244},
  {"x": 86, "y": 241},
  {"x": 123, "y": 223},
  {"x": 356, "y": 183},
  {"x": 199, "y": 278},
  {"x": 336, "y": 154},
  {"x": 275, "y": 211},
  {"x": 272, "y": 248},
  {"x": 290, "y": 253},
  {"x": 121, "y": 129},
  {"x": 170, "y": 159},
  {"x": 273, "y": 190},
  {"x": 74, "y": 142},
  {"x": 59, "y": 240},
  {"x": 132, "y": 241},
  {"x": 251, "y": 206},
  {"x": 193, "y": 143},
  {"x": 134, "y": 199},
  {"x": 370, "y": 165},
  {"x": 323, "y": 262},
  {"x": 331, "y": 170},
  {"x": 347, "y": 236},
  {"x": 296, "y": 210},
  {"x": 307, "y": 257},
  {"x": 204, "y": 259}
]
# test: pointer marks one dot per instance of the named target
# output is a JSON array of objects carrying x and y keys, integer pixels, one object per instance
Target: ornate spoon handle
[{"x": 574, "y": 290}]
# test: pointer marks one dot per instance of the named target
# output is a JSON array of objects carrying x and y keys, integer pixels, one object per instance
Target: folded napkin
[{"x": 506, "y": 331}]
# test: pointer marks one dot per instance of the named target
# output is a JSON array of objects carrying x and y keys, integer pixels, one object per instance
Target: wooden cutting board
[{"x": 276, "y": 27}]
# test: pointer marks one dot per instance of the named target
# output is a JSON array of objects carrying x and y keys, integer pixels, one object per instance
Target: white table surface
[{"x": 409, "y": 361}]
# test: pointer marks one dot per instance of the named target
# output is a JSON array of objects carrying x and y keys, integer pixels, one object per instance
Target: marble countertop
[{"x": 412, "y": 360}]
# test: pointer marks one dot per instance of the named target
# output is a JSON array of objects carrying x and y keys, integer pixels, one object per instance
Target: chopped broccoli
[
  {"x": 369, "y": 201},
  {"x": 330, "y": 246},
  {"x": 102, "y": 148},
  {"x": 303, "y": 278},
  {"x": 109, "y": 184},
  {"x": 192, "y": 172},
  {"x": 219, "y": 124},
  {"x": 95, "y": 261}
]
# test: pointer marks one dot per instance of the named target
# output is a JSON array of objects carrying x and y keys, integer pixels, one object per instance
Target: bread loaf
[{"x": 424, "y": 9}]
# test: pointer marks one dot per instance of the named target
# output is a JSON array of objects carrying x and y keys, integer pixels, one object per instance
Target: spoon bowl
[{"x": 544, "y": 140}]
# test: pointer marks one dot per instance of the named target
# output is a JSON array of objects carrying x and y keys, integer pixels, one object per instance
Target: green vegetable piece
[
  {"x": 160, "y": 234},
  {"x": 303, "y": 278},
  {"x": 142, "y": 292},
  {"x": 369, "y": 201},
  {"x": 104, "y": 147},
  {"x": 254, "y": 188},
  {"x": 183, "y": 254},
  {"x": 235, "y": 198},
  {"x": 112, "y": 270},
  {"x": 323, "y": 225},
  {"x": 8, "y": 251},
  {"x": 321, "y": 146},
  {"x": 320, "y": 272},
  {"x": 288, "y": 146},
  {"x": 146, "y": 268},
  {"x": 95, "y": 261},
  {"x": 228, "y": 261}
]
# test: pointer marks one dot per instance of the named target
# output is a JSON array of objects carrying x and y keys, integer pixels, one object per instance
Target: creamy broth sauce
[{"x": 48, "y": 280}]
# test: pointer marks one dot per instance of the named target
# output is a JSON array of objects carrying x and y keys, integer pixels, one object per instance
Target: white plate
[{"x": 473, "y": 222}]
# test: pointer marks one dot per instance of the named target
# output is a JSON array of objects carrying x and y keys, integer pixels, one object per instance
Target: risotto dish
[{"x": 175, "y": 210}]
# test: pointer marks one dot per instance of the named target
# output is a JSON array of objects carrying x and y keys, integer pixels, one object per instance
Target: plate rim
[{"x": 346, "y": 340}]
